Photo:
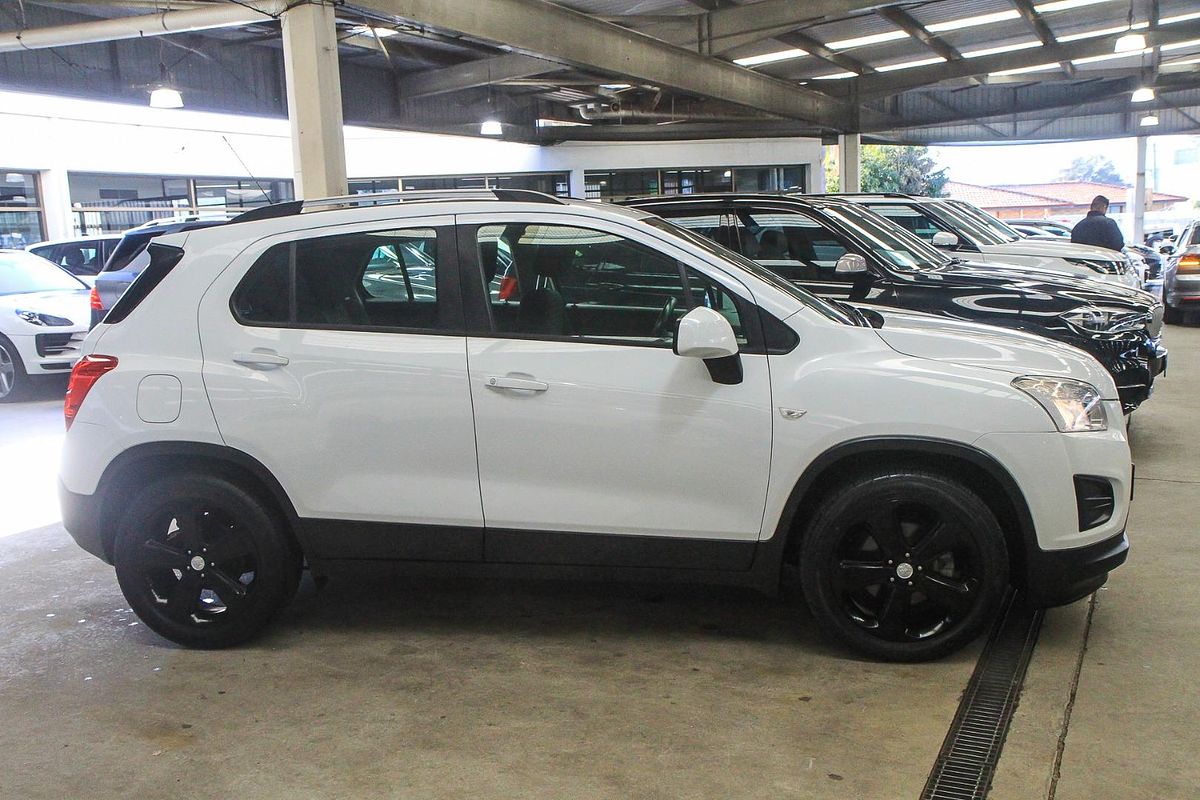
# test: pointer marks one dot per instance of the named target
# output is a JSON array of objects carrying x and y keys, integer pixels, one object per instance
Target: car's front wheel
[
  {"x": 13, "y": 378},
  {"x": 903, "y": 565},
  {"x": 202, "y": 561}
]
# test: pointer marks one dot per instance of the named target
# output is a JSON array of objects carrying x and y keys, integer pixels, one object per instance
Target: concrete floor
[{"x": 435, "y": 689}]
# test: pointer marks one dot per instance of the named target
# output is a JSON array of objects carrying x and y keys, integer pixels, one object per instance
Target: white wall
[{"x": 56, "y": 135}]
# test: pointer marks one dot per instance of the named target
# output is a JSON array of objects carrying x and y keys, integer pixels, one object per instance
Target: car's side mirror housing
[
  {"x": 705, "y": 334},
  {"x": 1166, "y": 249},
  {"x": 944, "y": 239},
  {"x": 850, "y": 264}
]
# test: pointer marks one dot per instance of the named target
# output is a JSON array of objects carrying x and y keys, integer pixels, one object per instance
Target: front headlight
[
  {"x": 34, "y": 318},
  {"x": 1073, "y": 405},
  {"x": 1107, "y": 320}
]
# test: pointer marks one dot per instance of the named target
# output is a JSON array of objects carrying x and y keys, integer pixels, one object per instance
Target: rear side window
[
  {"x": 378, "y": 280},
  {"x": 163, "y": 259}
]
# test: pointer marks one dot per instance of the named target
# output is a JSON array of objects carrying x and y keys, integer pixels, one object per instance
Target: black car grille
[{"x": 52, "y": 344}]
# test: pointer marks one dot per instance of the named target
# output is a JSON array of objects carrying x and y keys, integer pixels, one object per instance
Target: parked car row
[{"x": 724, "y": 389}]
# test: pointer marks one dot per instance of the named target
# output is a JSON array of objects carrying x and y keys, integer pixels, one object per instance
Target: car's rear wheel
[
  {"x": 903, "y": 565},
  {"x": 203, "y": 562},
  {"x": 13, "y": 378}
]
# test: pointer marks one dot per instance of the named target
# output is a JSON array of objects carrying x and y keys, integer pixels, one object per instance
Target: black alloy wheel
[
  {"x": 202, "y": 562},
  {"x": 904, "y": 565}
]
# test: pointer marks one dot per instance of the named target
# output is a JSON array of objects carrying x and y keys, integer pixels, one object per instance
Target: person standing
[{"x": 1098, "y": 229}]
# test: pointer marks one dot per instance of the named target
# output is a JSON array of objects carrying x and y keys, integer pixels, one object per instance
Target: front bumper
[
  {"x": 1058, "y": 577},
  {"x": 1134, "y": 360},
  {"x": 82, "y": 519}
]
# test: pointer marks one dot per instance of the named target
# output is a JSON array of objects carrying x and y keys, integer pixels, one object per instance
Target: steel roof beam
[
  {"x": 543, "y": 29},
  {"x": 472, "y": 74},
  {"x": 1044, "y": 34}
]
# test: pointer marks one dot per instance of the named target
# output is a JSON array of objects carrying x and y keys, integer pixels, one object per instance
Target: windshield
[
  {"x": 887, "y": 240},
  {"x": 24, "y": 272},
  {"x": 812, "y": 301},
  {"x": 987, "y": 220}
]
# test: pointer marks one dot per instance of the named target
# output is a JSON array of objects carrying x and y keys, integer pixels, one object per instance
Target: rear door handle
[
  {"x": 260, "y": 360},
  {"x": 524, "y": 384}
]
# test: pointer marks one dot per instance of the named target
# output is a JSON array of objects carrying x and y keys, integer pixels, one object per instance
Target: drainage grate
[{"x": 964, "y": 767}]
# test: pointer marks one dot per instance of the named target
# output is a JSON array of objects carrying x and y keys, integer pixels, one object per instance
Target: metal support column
[
  {"x": 849, "y": 162},
  {"x": 314, "y": 94},
  {"x": 1139, "y": 193}
]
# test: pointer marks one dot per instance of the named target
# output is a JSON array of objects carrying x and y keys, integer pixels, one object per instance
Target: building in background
[{"x": 1060, "y": 200}]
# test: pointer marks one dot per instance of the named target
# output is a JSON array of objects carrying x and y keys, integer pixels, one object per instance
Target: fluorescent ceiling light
[
  {"x": 770, "y": 58},
  {"x": 1109, "y": 57},
  {"x": 616, "y": 87},
  {"x": 1130, "y": 43},
  {"x": 384, "y": 33},
  {"x": 921, "y": 62},
  {"x": 971, "y": 22},
  {"x": 559, "y": 123},
  {"x": 1004, "y": 48},
  {"x": 1023, "y": 70},
  {"x": 166, "y": 97},
  {"x": 835, "y": 76},
  {"x": 491, "y": 127},
  {"x": 1142, "y": 95},
  {"x": 1180, "y": 45},
  {"x": 875, "y": 38},
  {"x": 1179, "y": 18},
  {"x": 1065, "y": 5},
  {"x": 1149, "y": 121}
]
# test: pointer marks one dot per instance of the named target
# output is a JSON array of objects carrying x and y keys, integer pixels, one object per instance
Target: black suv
[{"x": 805, "y": 239}]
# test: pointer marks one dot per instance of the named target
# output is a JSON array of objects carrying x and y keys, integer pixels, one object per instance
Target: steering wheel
[{"x": 664, "y": 318}]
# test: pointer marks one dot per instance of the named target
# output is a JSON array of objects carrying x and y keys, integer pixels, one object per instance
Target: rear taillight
[
  {"x": 94, "y": 300},
  {"x": 87, "y": 371},
  {"x": 1188, "y": 263}
]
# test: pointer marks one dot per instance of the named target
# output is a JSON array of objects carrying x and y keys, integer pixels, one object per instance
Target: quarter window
[
  {"x": 377, "y": 279},
  {"x": 565, "y": 282}
]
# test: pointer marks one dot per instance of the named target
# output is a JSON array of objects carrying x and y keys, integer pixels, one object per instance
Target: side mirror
[
  {"x": 850, "y": 264},
  {"x": 1166, "y": 249},
  {"x": 703, "y": 333},
  {"x": 944, "y": 239}
]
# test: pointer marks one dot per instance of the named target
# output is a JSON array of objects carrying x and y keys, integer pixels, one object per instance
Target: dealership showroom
[{"x": 600, "y": 399}]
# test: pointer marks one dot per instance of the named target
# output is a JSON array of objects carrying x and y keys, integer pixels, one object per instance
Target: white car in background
[
  {"x": 981, "y": 238},
  {"x": 44, "y": 313}
]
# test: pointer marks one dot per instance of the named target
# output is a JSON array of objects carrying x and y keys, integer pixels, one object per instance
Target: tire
[
  {"x": 14, "y": 380},
  {"x": 903, "y": 565},
  {"x": 203, "y": 562}
]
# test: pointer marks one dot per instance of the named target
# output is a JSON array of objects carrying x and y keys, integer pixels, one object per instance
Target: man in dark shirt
[{"x": 1098, "y": 229}]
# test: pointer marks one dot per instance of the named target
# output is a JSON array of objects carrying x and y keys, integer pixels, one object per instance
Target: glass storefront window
[
  {"x": 374, "y": 186},
  {"x": 621, "y": 184},
  {"x": 21, "y": 221}
]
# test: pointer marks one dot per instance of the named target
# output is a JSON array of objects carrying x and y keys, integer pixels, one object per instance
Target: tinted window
[
  {"x": 794, "y": 245},
  {"x": 377, "y": 279},
  {"x": 910, "y": 218},
  {"x": 562, "y": 281},
  {"x": 77, "y": 258}
]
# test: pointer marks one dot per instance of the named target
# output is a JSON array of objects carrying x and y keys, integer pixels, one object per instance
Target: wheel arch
[
  {"x": 142, "y": 463},
  {"x": 977, "y": 469}
]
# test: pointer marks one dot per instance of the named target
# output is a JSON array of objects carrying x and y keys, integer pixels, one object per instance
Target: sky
[{"x": 1177, "y": 159}]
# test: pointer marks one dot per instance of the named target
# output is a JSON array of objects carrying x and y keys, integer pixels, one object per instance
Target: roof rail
[
  {"x": 900, "y": 195},
  {"x": 393, "y": 198}
]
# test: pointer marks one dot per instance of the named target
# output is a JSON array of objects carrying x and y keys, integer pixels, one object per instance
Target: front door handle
[
  {"x": 259, "y": 359},
  {"x": 522, "y": 384}
]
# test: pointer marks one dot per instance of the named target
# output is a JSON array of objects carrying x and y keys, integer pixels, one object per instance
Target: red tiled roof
[
  {"x": 1080, "y": 193},
  {"x": 999, "y": 197}
]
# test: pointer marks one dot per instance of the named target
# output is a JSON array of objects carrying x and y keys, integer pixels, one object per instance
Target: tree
[
  {"x": 893, "y": 168},
  {"x": 896, "y": 168},
  {"x": 1097, "y": 169}
]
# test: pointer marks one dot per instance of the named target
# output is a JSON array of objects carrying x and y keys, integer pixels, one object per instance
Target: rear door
[{"x": 337, "y": 359}]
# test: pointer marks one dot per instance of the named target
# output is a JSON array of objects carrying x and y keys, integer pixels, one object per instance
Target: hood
[
  {"x": 1029, "y": 280},
  {"x": 70, "y": 305},
  {"x": 1012, "y": 352},
  {"x": 1055, "y": 249}
]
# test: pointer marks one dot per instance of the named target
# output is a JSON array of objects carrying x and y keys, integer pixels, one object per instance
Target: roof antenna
[{"x": 265, "y": 193}]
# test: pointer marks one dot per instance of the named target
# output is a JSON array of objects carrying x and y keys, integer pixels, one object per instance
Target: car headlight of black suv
[{"x": 1107, "y": 320}]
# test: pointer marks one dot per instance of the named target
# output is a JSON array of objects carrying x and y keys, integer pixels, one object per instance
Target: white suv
[{"x": 511, "y": 383}]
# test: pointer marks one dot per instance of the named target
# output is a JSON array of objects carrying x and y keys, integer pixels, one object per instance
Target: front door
[
  {"x": 337, "y": 359},
  {"x": 587, "y": 422}
]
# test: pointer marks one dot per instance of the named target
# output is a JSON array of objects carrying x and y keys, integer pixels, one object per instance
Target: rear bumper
[
  {"x": 82, "y": 519},
  {"x": 1058, "y": 577}
]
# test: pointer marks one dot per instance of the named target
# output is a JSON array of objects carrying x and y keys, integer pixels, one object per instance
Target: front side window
[
  {"x": 911, "y": 218},
  {"x": 794, "y": 245},
  {"x": 577, "y": 283},
  {"x": 376, "y": 279}
]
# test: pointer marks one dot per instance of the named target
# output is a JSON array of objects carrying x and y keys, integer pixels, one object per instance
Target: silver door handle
[
  {"x": 525, "y": 384},
  {"x": 259, "y": 360}
]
